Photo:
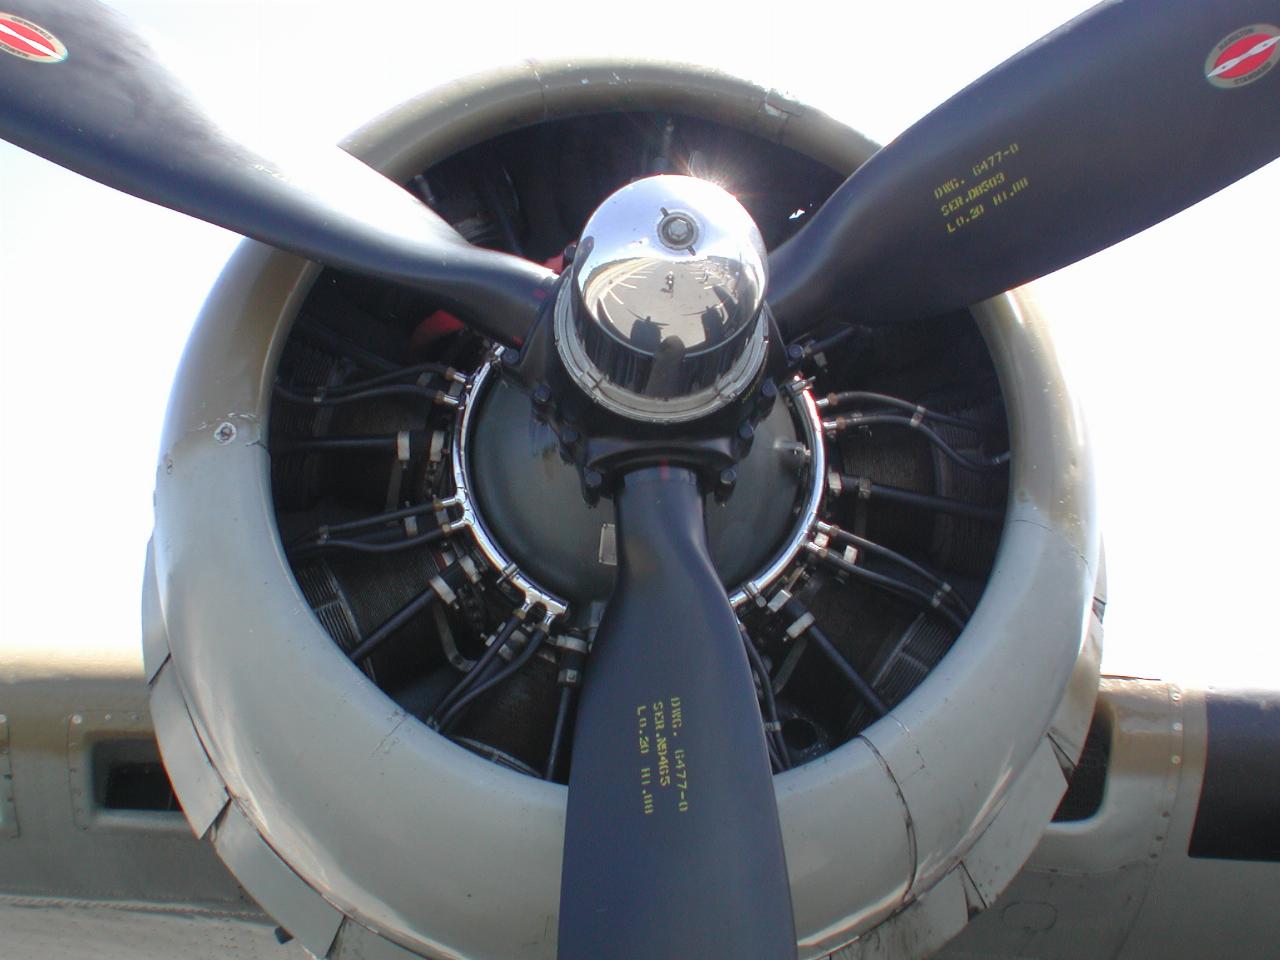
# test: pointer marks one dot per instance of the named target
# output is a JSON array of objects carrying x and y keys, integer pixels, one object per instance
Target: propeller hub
[{"x": 663, "y": 318}]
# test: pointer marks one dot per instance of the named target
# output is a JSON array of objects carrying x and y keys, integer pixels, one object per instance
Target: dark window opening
[{"x": 129, "y": 775}]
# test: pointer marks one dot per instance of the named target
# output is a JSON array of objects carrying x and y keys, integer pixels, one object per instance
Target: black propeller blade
[
  {"x": 672, "y": 846},
  {"x": 1115, "y": 121},
  {"x": 104, "y": 107}
]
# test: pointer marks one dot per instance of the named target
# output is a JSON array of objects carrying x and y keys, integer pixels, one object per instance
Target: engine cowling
[{"x": 365, "y": 831}]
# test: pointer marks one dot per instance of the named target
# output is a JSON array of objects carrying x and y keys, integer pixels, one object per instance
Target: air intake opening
[
  {"x": 129, "y": 775},
  {"x": 1088, "y": 783}
]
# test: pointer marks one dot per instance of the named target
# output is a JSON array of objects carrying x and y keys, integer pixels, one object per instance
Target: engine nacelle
[{"x": 366, "y": 832}]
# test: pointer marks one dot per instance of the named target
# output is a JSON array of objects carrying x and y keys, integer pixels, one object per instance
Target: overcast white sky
[{"x": 1169, "y": 337}]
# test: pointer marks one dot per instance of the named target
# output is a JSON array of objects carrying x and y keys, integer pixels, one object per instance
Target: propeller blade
[
  {"x": 672, "y": 846},
  {"x": 1123, "y": 117},
  {"x": 85, "y": 91}
]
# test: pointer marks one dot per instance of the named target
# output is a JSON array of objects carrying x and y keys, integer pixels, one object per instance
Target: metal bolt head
[{"x": 678, "y": 231}]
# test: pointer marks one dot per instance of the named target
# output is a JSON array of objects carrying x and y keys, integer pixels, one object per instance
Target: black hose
[
  {"x": 866, "y": 396},
  {"x": 868, "y": 695},
  {"x": 959, "y": 508},
  {"x": 774, "y": 760},
  {"x": 826, "y": 343},
  {"x": 397, "y": 620},
  {"x": 905, "y": 590},
  {"x": 387, "y": 444},
  {"x": 525, "y": 656},
  {"x": 326, "y": 399},
  {"x": 364, "y": 546},
  {"x": 562, "y": 725},
  {"x": 349, "y": 526},
  {"x": 770, "y": 705},
  {"x": 950, "y": 452},
  {"x": 481, "y": 666},
  {"x": 417, "y": 369},
  {"x": 872, "y": 547}
]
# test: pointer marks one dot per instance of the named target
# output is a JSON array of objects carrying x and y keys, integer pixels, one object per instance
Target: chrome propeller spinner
[{"x": 662, "y": 320}]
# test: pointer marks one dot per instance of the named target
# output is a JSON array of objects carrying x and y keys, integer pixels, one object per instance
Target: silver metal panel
[
  {"x": 1120, "y": 884},
  {"x": 357, "y": 942},
  {"x": 1051, "y": 476},
  {"x": 865, "y": 825},
  {"x": 85, "y": 729},
  {"x": 1201, "y": 907},
  {"x": 8, "y": 808},
  {"x": 997, "y": 855},
  {"x": 280, "y": 891},
  {"x": 194, "y": 780},
  {"x": 155, "y": 639},
  {"x": 1070, "y": 724},
  {"x": 955, "y": 755},
  {"x": 1147, "y": 731},
  {"x": 1048, "y": 916},
  {"x": 125, "y": 856},
  {"x": 919, "y": 929}
]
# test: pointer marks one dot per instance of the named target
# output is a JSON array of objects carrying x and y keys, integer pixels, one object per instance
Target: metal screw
[
  {"x": 226, "y": 432},
  {"x": 77, "y": 719}
]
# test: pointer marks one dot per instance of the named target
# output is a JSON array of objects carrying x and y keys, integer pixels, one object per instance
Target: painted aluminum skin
[{"x": 371, "y": 823}]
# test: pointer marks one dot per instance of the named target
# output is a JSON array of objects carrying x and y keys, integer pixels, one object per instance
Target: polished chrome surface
[
  {"x": 679, "y": 409},
  {"x": 505, "y": 567},
  {"x": 666, "y": 297},
  {"x": 811, "y": 424},
  {"x": 671, "y": 257}
]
